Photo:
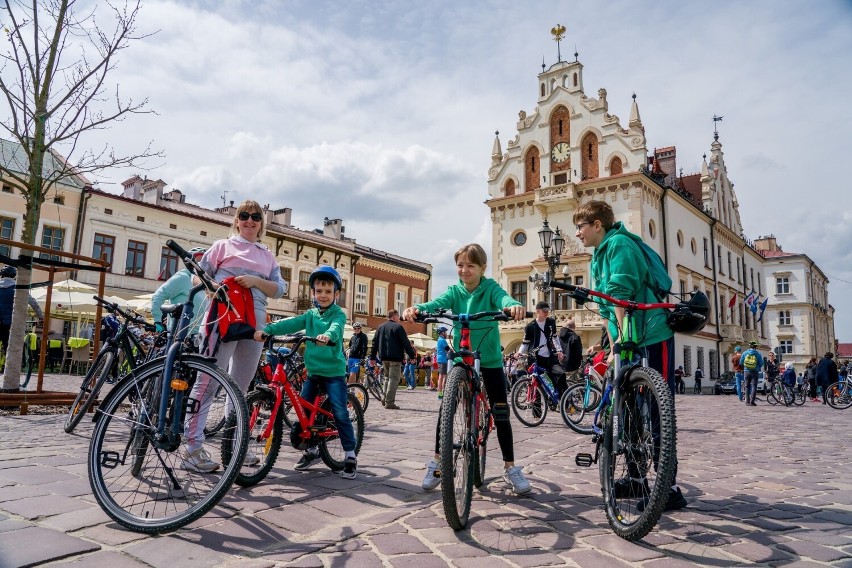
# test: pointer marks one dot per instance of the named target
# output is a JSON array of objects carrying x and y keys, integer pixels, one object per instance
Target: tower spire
[{"x": 716, "y": 120}]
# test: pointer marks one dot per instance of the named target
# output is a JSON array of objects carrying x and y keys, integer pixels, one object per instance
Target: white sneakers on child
[
  {"x": 515, "y": 477},
  {"x": 433, "y": 476}
]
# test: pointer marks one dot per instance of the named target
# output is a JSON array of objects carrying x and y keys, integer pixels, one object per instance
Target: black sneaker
[
  {"x": 675, "y": 502},
  {"x": 629, "y": 488},
  {"x": 308, "y": 457},
  {"x": 349, "y": 467}
]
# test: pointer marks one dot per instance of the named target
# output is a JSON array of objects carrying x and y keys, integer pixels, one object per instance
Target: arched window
[
  {"x": 532, "y": 179},
  {"x": 542, "y": 89},
  {"x": 510, "y": 187},
  {"x": 575, "y": 79},
  {"x": 590, "y": 156},
  {"x": 615, "y": 166}
]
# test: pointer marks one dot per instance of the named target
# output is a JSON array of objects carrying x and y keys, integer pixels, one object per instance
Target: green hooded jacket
[
  {"x": 321, "y": 360},
  {"x": 484, "y": 335},
  {"x": 619, "y": 269}
]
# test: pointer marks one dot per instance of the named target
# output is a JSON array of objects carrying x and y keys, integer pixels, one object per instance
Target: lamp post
[{"x": 550, "y": 240}]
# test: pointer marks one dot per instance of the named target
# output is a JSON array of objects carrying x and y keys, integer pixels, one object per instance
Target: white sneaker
[
  {"x": 515, "y": 477},
  {"x": 431, "y": 481},
  {"x": 251, "y": 459},
  {"x": 199, "y": 460}
]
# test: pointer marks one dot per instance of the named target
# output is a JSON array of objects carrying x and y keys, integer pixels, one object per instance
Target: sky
[{"x": 383, "y": 113}]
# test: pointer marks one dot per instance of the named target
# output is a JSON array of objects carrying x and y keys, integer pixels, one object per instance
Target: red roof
[{"x": 692, "y": 185}]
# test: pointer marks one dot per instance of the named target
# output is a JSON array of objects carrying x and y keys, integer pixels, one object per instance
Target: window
[
  {"x": 416, "y": 299},
  {"x": 714, "y": 364},
  {"x": 724, "y": 304},
  {"x": 782, "y": 285},
  {"x": 104, "y": 245},
  {"x": 519, "y": 239},
  {"x": 52, "y": 238},
  {"x": 172, "y": 226},
  {"x": 652, "y": 228},
  {"x": 784, "y": 318},
  {"x": 136, "y": 253},
  {"x": 786, "y": 346},
  {"x": 706, "y": 254},
  {"x": 699, "y": 361},
  {"x": 680, "y": 239},
  {"x": 380, "y": 301},
  {"x": 719, "y": 257},
  {"x": 140, "y": 218},
  {"x": 7, "y": 189},
  {"x": 687, "y": 360},
  {"x": 739, "y": 276},
  {"x": 341, "y": 301},
  {"x": 730, "y": 272},
  {"x": 562, "y": 300},
  {"x": 7, "y": 231},
  {"x": 59, "y": 199},
  {"x": 303, "y": 298},
  {"x": 287, "y": 276},
  {"x": 107, "y": 211},
  {"x": 683, "y": 287},
  {"x": 519, "y": 292},
  {"x": 360, "y": 298},
  {"x": 401, "y": 297},
  {"x": 169, "y": 263}
]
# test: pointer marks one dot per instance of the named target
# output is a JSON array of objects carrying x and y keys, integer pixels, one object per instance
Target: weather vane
[
  {"x": 716, "y": 120},
  {"x": 558, "y": 32}
]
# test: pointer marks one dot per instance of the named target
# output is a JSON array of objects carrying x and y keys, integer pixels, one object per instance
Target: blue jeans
[
  {"x": 408, "y": 372},
  {"x": 739, "y": 383},
  {"x": 337, "y": 392}
]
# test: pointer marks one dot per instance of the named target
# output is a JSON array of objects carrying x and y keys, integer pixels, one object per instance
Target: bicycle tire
[
  {"x": 577, "y": 412},
  {"x": 375, "y": 386},
  {"x": 529, "y": 404},
  {"x": 90, "y": 388},
  {"x": 330, "y": 448},
  {"x": 162, "y": 495},
  {"x": 260, "y": 405},
  {"x": 799, "y": 397},
  {"x": 360, "y": 392},
  {"x": 647, "y": 406},
  {"x": 26, "y": 366},
  {"x": 483, "y": 424},
  {"x": 456, "y": 445},
  {"x": 838, "y": 396},
  {"x": 218, "y": 411}
]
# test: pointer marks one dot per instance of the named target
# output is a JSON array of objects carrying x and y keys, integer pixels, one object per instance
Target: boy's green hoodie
[
  {"x": 619, "y": 269},
  {"x": 484, "y": 335},
  {"x": 321, "y": 360}
]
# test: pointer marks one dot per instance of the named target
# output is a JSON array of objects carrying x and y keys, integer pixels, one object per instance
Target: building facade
[{"x": 569, "y": 150}]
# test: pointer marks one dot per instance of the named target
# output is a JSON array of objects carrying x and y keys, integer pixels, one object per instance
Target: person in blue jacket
[{"x": 752, "y": 362}]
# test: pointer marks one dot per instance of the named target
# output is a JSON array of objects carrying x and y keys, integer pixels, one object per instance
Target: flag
[
  {"x": 762, "y": 308},
  {"x": 733, "y": 301},
  {"x": 750, "y": 298},
  {"x": 754, "y": 304}
]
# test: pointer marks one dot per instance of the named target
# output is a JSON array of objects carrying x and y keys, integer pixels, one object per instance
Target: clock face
[{"x": 560, "y": 153}]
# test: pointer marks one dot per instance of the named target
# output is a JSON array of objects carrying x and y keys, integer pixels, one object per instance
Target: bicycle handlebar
[
  {"x": 219, "y": 290},
  {"x": 130, "y": 317},
  {"x": 581, "y": 295},
  {"x": 295, "y": 338},
  {"x": 442, "y": 313}
]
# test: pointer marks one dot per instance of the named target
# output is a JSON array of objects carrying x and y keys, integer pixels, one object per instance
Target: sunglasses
[{"x": 245, "y": 215}]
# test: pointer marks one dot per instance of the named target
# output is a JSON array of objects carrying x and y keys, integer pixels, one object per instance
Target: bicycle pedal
[{"x": 584, "y": 460}]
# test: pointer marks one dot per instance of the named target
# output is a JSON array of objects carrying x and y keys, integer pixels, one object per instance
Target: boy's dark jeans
[{"x": 338, "y": 393}]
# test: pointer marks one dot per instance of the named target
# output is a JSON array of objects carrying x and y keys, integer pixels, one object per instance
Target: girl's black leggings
[{"x": 495, "y": 389}]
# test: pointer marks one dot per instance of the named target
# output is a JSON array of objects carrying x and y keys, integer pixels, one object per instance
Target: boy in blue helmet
[{"x": 325, "y": 365}]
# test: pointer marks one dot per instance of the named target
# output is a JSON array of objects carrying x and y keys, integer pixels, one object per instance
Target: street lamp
[{"x": 548, "y": 240}]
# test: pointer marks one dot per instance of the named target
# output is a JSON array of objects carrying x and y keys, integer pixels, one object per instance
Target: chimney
[
  {"x": 333, "y": 228},
  {"x": 282, "y": 216}
]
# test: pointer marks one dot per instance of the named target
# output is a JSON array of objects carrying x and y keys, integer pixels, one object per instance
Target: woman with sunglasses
[{"x": 254, "y": 267}]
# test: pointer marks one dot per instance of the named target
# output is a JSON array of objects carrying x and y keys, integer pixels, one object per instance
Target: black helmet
[
  {"x": 690, "y": 317},
  {"x": 9, "y": 272}
]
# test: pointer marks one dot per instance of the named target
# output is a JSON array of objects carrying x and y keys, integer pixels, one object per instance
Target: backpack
[
  {"x": 572, "y": 348},
  {"x": 750, "y": 361},
  {"x": 658, "y": 275},
  {"x": 234, "y": 323}
]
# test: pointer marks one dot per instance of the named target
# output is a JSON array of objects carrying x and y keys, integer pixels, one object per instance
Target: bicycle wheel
[
  {"x": 458, "y": 460},
  {"x": 374, "y": 384},
  {"x": 89, "y": 388},
  {"x": 26, "y": 366},
  {"x": 360, "y": 392},
  {"x": 218, "y": 413},
  {"x": 330, "y": 448},
  {"x": 528, "y": 403},
  {"x": 578, "y": 405},
  {"x": 483, "y": 425},
  {"x": 260, "y": 405},
  {"x": 838, "y": 396},
  {"x": 637, "y": 463},
  {"x": 799, "y": 396},
  {"x": 140, "y": 479}
]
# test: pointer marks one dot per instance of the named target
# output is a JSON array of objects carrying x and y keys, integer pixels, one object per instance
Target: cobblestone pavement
[{"x": 767, "y": 486}]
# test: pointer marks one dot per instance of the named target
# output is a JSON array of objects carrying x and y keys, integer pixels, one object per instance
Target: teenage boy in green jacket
[
  {"x": 476, "y": 293},
  {"x": 327, "y": 365},
  {"x": 619, "y": 268}
]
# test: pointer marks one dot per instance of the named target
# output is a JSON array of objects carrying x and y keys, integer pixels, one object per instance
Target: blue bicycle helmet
[{"x": 325, "y": 273}]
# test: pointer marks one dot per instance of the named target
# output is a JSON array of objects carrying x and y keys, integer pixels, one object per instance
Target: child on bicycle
[
  {"x": 326, "y": 366},
  {"x": 619, "y": 268},
  {"x": 476, "y": 293}
]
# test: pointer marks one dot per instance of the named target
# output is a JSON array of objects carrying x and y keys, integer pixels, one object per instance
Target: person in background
[
  {"x": 391, "y": 345},
  {"x": 441, "y": 350},
  {"x": 408, "y": 371},
  {"x": 357, "y": 351},
  {"x": 738, "y": 371},
  {"x": 699, "y": 374},
  {"x": 826, "y": 373},
  {"x": 752, "y": 362}
]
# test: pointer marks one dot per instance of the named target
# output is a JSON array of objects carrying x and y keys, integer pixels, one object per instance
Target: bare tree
[{"x": 53, "y": 76}]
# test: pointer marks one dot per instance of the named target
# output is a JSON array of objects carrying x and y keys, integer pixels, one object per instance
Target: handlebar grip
[
  {"x": 181, "y": 252},
  {"x": 331, "y": 344}
]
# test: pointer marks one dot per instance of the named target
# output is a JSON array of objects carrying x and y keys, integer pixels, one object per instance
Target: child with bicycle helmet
[
  {"x": 476, "y": 293},
  {"x": 619, "y": 268},
  {"x": 175, "y": 291},
  {"x": 326, "y": 365}
]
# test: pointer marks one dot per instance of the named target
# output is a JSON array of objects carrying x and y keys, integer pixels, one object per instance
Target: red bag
[{"x": 235, "y": 322}]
